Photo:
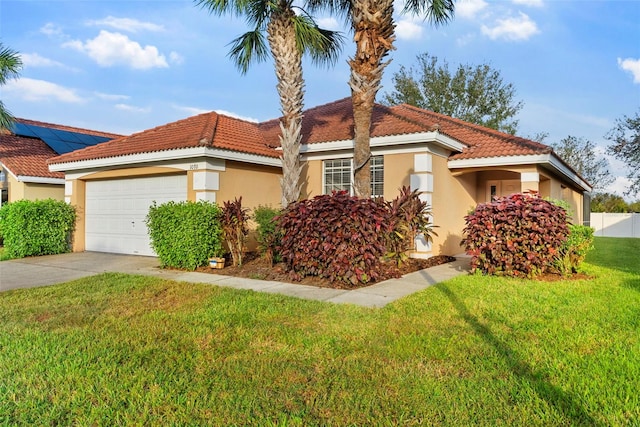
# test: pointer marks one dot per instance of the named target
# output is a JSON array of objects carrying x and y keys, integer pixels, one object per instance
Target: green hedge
[
  {"x": 185, "y": 234},
  {"x": 41, "y": 227}
]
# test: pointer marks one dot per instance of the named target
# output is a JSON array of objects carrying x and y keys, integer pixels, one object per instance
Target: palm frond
[
  {"x": 437, "y": 12},
  {"x": 334, "y": 7},
  {"x": 10, "y": 64},
  {"x": 248, "y": 48},
  {"x": 323, "y": 46}
]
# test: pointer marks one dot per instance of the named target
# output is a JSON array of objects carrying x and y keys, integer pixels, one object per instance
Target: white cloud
[
  {"x": 51, "y": 29},
  {"x": 329, "y": 23},
  {"x": 237, "y": 116},
  {"x": 191, "y": 111},
  {"x": 620, "y": 186},
  {"x": 407, "y": 29},
  {"x": 532, "y": 3},
  {"x": 513, "y": 28},
  {"x": 35, "y": 60},
  {"x": 111, "y": 97},
  {"x": 176, "y": 58},
  {"x": 132, "y": 108},
  {"x": 631, "y": 65},
  {"x": 126, "y": 24},
  {"x": 41, "y": 90},
  {"x": 469, "y": 9},
  {"x": 109, "y": 49}
]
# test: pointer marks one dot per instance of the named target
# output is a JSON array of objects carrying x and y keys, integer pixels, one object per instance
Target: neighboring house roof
[
  {"x": 26, "y": 157},
  {"x": 211, "y": 130},
  {"x": 68, "y": 128}
]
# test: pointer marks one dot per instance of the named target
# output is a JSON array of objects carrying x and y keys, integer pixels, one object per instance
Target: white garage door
[{"x": 116, "y": 209}]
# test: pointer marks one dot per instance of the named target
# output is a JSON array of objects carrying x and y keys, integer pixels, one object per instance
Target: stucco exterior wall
[
  {"x": 258, "y": 185},
  {"x": 453, "y": 197},
  {"x": 32, "y": 191}
]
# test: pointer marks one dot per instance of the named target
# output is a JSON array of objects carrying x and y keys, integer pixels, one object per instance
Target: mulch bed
[{"x": 255, "y": 267}]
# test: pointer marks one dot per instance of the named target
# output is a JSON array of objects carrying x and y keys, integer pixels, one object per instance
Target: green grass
[{"x": 130, "y": 350}]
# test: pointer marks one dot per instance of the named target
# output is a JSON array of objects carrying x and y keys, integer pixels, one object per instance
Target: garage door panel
[{"x": 115, "y": 211}]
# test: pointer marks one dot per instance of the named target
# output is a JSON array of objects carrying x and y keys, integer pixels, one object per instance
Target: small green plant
[
  {"x": 573, "y": 252},
  {"x": 579, "y": 242},
  {"x": 40, "y": 227},
  {"x": 234, "y": 221},
  {"x": 269, "y": 234},
  {"x": 517, "y": 235},
  {"x": 408, "y": 217},
  {"x": 185, "y": 234}
]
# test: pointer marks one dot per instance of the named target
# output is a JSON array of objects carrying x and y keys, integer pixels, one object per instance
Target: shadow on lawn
[{"x": 553, "y": 395}]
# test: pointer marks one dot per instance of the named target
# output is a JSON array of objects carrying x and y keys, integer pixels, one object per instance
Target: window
[
  {"x": 338, "y": 175},
  {"x": 377, "y": 176}
]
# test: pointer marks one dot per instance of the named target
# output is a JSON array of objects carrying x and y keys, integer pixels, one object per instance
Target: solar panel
[{"x": 60, "y": 141}]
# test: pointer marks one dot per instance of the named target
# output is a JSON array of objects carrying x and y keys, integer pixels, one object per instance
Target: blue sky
[{"x": 126, "y": 66}]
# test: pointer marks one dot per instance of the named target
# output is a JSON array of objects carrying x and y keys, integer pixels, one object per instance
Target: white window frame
[{"x": 374, "y": 168}]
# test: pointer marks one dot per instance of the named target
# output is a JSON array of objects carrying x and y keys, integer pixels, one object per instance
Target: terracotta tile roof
[
  {"x": 481, "y": 141},
  {"x": 26, "y": 156},
  {"x": 208, "y": 129},
  {"x": 334, "y": 122},
  {"x": 325, "y": 123}
]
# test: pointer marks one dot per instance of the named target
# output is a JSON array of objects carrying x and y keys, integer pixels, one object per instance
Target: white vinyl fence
[{"x": 616, "y": 224}]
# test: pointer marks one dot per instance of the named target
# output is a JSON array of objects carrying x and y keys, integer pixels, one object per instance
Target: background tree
[
  {"x": 607, "y": 202},
  {"x": 374, "y": 34},
  {"x": 473, "y": 93},
  {"x": 289, "y": 36},
  {"x": 626, "y": 147},
  {"x": 10, "y": 65},
  {"x": 580, "y": 154}
]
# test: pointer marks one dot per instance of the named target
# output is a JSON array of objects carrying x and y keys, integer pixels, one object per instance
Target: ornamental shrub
[
  {"x": 334, "y": 236},
  {"x": 185, "y": 234},
  {"x": 408, "y": 217},
  {"x": 579, "y": 242},
  {"x": 269, "y": 234},
  {"x": 234, "y": 220},
  {"x": 574, "y": 250},
  {"x": 41, "y": 227},
  {"x": 516, "y": 235}
]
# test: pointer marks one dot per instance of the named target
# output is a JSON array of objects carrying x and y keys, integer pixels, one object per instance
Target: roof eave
[
  {"x": 437, "y": 138},
  {"x": 159, "y": 156},
  {"x": 546, "y": 159}
]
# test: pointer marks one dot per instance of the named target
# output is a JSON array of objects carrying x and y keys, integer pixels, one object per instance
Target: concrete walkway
[{"x": 52, "y": 269}]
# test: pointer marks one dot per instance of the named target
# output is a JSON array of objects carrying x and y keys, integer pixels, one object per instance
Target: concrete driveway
[{"x": 52, "y": 269}]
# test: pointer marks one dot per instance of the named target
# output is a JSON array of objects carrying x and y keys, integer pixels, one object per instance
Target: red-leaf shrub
[
  {"x": 517, "y": 235},
  {"x": 336, "y": 236},
  {"x": 408, "y": 217}
]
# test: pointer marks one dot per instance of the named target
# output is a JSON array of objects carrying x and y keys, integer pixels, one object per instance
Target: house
[
  {"x": 453, "y": 164},
  {"x": 24, "y": 151}
]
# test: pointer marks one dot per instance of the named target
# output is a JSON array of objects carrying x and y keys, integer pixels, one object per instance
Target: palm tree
[
  {"x": 289, "y": 36},
  {"x": 10, "y": 65},
  {"x": 373, "y": 32}
]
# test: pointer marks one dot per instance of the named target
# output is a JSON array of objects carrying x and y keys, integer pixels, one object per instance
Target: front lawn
[{"x": 130, "y": 350}]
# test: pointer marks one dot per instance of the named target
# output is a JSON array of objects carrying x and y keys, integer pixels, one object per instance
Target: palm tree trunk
[
  {"x": 373, "y": 33},
  {"x": 288, "y": 64}
]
